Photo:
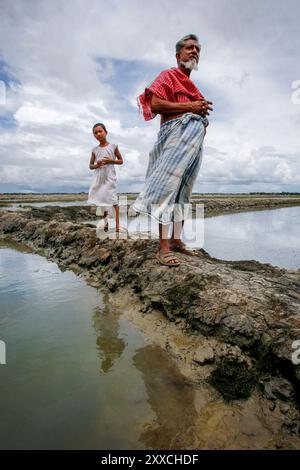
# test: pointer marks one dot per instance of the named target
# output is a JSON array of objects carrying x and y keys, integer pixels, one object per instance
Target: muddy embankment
[
  {"x": 250, "y": 310},
  {"x": 213, "y": 204},
  {"x": 231, "y": 204}
]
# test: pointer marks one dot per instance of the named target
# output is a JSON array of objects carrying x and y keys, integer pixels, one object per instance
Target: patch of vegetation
[
  {"x": 266, "y": 361},
  {"x": 198, "y": 325},
  {"x": 234, "y": 380}
]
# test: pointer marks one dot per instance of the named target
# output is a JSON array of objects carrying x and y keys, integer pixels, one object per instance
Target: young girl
[{"x": 103, "y": 190}]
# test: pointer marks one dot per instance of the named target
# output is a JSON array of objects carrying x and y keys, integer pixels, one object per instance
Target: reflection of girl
[
  {"x": 110, "y": 342},
  {"x": 103, "y": 190}
]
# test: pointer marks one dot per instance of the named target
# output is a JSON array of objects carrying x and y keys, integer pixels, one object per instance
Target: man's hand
[
  {"x": 170, "y": 110},
  {"x": 201, "y": 107}
]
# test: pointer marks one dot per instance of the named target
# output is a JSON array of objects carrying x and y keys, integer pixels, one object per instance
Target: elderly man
[{"x": 176, "y": 157}]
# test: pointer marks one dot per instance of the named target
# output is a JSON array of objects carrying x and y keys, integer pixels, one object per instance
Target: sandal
[
  {"x": 182, "y": 248},
  {"x": 167, "y": 258}
]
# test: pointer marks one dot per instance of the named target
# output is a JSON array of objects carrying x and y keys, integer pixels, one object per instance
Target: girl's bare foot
[{"x": 121, "y": 229}]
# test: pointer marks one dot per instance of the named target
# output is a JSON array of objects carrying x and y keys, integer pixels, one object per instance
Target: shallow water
[
  {"x": 68, "y": 381},
  {"x": 78, "y": 375},
  {"x": 268, "y": 236},
  {"x": 24, "y": 205}
]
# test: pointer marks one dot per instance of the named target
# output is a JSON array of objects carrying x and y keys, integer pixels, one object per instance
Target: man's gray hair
[{"x": 180, "y": 43}]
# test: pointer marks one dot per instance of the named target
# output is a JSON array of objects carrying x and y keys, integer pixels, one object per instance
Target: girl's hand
[{"x": 102, "y": 163}]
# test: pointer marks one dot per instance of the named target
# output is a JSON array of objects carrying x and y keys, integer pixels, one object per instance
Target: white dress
[{"x": 103, "y": 189}]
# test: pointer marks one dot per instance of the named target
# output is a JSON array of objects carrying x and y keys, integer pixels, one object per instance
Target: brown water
[{"x": 80, "y": 376}]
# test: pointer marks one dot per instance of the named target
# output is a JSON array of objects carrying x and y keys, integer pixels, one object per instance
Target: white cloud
[{"x": 248, "y": 63}]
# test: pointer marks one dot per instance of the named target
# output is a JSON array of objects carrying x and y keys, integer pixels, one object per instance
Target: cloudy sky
[{"x": 67, "y": 64}]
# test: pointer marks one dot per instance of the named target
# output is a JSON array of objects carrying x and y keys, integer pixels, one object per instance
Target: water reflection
[
  {"x": 19, "y": 206},
  {"x": 53, "y": 397},
  {"x": 106, "y": 324},
  {"x": 266, "y": 236},
  {"x": 170, "y": 398}
]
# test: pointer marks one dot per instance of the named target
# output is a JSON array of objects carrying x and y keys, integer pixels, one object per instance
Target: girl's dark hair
[{"x": 99, "y": 124}]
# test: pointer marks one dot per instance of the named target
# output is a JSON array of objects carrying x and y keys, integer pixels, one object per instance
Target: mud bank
[
  {"x": 231, "y": 204},
  {"x": 242, "y": 316},
  {"x": 213, "y": 204}
]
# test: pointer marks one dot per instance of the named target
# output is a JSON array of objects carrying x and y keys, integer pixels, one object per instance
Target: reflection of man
[
  {"x": 174, "y": 425},
  {"x": 176, "y": 157}
]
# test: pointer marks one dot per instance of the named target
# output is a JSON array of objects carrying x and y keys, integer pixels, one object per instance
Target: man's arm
[{"x": 167, "y": 108}]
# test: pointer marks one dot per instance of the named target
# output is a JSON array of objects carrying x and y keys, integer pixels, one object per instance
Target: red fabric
[{"x": 170, "y": 85}]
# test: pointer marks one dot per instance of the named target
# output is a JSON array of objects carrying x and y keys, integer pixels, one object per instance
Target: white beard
[{"x": 190, "y": 64}]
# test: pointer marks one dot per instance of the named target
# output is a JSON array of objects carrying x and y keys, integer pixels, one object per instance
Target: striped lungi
[{"x": 173, "y": 167}]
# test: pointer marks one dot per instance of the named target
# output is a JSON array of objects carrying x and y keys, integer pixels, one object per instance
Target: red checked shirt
[{"x": 170, "y": 85}]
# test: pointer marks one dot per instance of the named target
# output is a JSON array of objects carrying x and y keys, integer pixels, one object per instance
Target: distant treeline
[
  {"x": 38, "y": 194},
  {"x": 283, "y": 193}
]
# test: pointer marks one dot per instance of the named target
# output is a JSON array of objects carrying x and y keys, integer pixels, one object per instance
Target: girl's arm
[
  {"x": 119, "y": 160},
  {"x": 93, "y": 165}
]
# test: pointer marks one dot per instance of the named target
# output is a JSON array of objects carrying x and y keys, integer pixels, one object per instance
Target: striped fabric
[
  {"x": 173, "y": 166},
  {"x": 171, "y": 85}
]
